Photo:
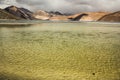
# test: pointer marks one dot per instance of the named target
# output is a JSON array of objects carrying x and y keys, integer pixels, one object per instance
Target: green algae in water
[{"x": 60, "y": 51}]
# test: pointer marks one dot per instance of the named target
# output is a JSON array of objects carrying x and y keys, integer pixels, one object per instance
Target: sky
[{"x": 65, "y": 6}]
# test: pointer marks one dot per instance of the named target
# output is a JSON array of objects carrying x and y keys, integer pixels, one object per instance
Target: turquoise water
[{"x": 43, "y": 50}]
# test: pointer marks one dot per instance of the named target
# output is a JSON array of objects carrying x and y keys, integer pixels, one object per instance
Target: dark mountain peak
[
  {"x": 13, "y": 8},
  {"x": 5, "y": 15},
  {"x": 26, "y": 10},
  {"x": 20, "y": 12},
  {"x": 55, "y": 13}
]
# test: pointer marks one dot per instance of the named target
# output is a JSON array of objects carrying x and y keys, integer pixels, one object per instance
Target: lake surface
[{"x": 43, "y": 50}]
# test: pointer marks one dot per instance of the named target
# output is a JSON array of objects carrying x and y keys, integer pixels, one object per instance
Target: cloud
[{"x": 67, "y": 6}]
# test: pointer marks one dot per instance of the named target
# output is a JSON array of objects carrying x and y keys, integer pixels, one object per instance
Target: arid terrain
[{"x": 14, "y": 12}]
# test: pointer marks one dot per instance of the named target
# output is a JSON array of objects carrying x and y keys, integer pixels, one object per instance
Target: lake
[{"x": 49, "y": 50}]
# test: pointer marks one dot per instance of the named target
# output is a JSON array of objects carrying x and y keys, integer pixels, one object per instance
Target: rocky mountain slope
[
  {"x": 13, "y": 12},
  {"x": 113, "y": 17},
  {"x": 78, "y": 17},
  {"x": 6, "y": 15},
  {"x": 20, "y": 12},
  {"x": 85, "y": 16},
  {"x": 90, "y": 16},
  {"x": 44, "y": 15}
]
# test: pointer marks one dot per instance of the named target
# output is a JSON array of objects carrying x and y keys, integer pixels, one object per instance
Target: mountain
[
  {"x": 90, "y": 16},
  {"x": 93, "y": 16},
  {"x": 44, "y": 15},
  {"x": 40, "y": 14},
  {"x": 20, "y": 12},
  {"x": 57, "y": 16},
  {"x": 77, "y": 18},
  {"x": 55, "y": 13},
  {"x": 113, "y": 17},
  {"x": 13, "y": 12},
  {"x": 6, "y": 15}
]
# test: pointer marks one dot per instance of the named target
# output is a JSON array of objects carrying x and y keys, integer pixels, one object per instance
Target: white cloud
[{"x": 67, "y": 6}]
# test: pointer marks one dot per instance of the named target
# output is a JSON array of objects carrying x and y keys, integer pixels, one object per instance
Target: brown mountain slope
[
  {"x": 91, "y": 16},
  {"x": 6, "y": 15},
  {"x": 59, "y": 17},
  {"x": 40, "y": 14},
  {"x": 79, "y": 17},
  {"x": 20, "y": 12},
  {"x": 44, "y": 15},
  {"x": 113, "y": 17}
]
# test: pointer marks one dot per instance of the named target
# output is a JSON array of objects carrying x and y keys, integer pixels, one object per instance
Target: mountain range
[{"x": 13, "y": 12}]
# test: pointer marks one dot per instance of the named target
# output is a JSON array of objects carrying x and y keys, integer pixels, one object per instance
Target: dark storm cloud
[{"x": 68, "y": 6}]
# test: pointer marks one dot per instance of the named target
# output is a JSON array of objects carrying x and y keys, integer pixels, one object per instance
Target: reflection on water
[{"x": 60, "y": 51}]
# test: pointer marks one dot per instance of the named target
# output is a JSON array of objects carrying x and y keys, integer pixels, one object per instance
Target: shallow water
[{"x": 59, "y": 50}]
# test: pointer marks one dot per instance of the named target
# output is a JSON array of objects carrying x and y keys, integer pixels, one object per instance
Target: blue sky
[{"x": 65, "y": 6}]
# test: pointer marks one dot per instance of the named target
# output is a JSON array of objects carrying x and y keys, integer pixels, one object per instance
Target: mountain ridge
[
  {"x": 19, "y": 12},
  {"x": 13, "y": 12},
  {"x": 6, "y": 15},
  {"x": 113, "y": 17}
]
